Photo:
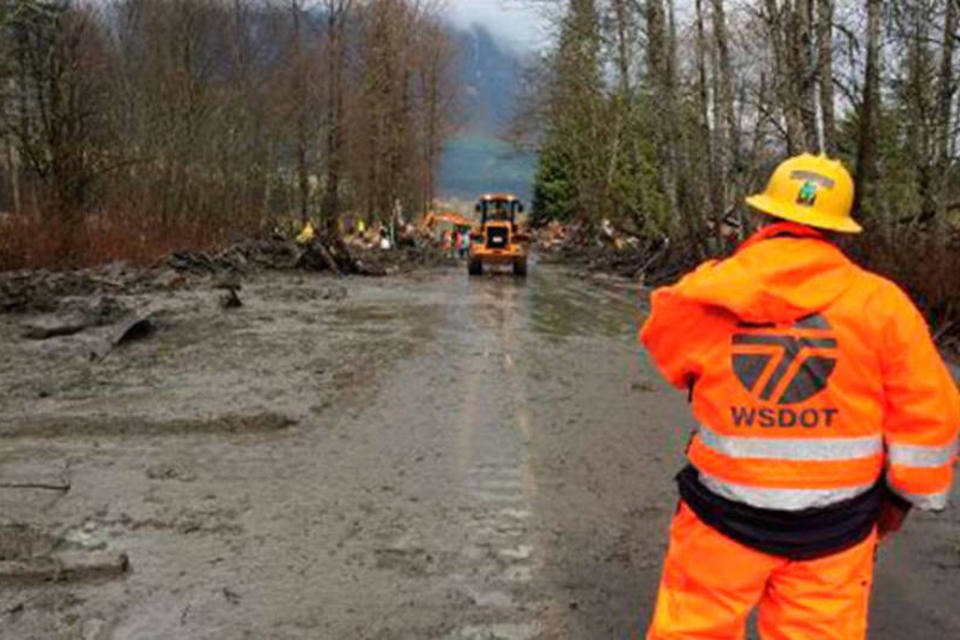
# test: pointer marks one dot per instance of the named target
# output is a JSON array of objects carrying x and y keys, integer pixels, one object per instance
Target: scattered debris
[
  {"x": 615, "y": 251},
  {"x": 230, "y": 300},
  {"x": 231, "y": 596},
  {"x": 170, "y": 472},
  {"x": 644, "y": 385}
]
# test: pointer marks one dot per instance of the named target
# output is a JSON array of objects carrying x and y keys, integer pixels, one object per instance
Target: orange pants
[{"x": 711, "y": 583}]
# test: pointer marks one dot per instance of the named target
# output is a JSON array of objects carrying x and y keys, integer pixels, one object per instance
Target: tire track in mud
[{"x": 500, "y": 558}]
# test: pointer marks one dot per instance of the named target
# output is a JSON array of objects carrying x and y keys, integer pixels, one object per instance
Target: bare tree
[
  {"x": 825, "y": 75},
  {"x": 866, "y": 172},
  {"x": 337, "y": 13}
]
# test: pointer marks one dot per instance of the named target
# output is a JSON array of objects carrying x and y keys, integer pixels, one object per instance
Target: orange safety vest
[{"x": 810, "y": 377}]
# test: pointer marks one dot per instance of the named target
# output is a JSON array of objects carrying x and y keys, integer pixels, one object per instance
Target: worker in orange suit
[{"x": 825, "y": 413}]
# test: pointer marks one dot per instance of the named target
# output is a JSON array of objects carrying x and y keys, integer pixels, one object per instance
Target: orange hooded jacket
[{"x": 810, "y": 376}]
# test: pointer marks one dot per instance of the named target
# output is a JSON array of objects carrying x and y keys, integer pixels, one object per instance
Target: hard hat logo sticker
[{"x": 808, "y": 194}]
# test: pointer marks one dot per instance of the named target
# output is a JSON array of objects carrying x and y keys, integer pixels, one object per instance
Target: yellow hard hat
[{"x": 812, "y": 190}]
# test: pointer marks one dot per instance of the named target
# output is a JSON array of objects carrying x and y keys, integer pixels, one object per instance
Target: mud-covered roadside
[
  {"x": 417, "y": 456},
  {"x": 104, "y": 452},
  {"x": 42, "y": 290}
]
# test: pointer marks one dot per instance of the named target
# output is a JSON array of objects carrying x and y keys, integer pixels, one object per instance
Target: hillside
[{"x": 477, "y": 159}]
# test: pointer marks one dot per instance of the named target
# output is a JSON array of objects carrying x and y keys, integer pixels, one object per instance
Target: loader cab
[{"x": 499, "y": 209}]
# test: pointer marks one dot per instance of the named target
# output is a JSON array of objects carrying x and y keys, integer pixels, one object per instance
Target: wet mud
[{"x": 413, "y": 457}]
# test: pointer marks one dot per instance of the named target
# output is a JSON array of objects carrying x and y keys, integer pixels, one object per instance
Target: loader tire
[
  {"x": 475, "y": 267},
  {"x": 520, "y": 267}
]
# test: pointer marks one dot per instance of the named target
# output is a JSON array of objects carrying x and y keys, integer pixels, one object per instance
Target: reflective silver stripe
[
  {"x": 783, "y": 499},
  {"x": 925, "y": 501},
  {"x": 915, "y": 455},
  {"x": 792, "y": 448}
]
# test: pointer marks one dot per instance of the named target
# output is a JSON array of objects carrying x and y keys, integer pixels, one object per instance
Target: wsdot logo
[{"x": 785, "y": 366}]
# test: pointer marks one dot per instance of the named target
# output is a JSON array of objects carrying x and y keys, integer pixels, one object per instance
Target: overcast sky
[{"x": 512, "y": 22}]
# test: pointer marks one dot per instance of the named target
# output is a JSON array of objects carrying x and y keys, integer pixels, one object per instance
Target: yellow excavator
[{"x": 498, "y": 240}]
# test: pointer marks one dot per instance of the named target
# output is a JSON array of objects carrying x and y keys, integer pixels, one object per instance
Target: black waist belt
[{"x": 797, "y": 535}]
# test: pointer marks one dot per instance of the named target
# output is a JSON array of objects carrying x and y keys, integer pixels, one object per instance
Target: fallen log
[
  {"x": 316, "y": 257},
  {"x": 27, "y": 474},
  {"x": 46, "y": 328},
  {"x": 328, "y": 259},
  {"x": 136, "y": 327},
  {"x": 68, "y": 566}
]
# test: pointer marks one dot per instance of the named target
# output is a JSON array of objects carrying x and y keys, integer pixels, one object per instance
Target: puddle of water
[{"x": 571, "y": 309}]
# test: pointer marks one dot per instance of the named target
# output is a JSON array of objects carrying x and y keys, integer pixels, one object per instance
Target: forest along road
[{"x": 419, "y": 457}]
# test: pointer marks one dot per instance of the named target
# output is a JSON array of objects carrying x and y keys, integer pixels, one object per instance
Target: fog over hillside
[{"x": 476, "y": 159}]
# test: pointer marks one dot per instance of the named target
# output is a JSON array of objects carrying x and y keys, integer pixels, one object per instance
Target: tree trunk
[
  {"x": 781, "y": 41},
  {"x": 710, "y": 137},
  {"x": 866, "y": 174},
  {"x": 299, "y": 91},
  {"x": 13, "y": 166},
  {"x": 622, "y": 13},
  {"x": 806, "y": 72},
  {"x": 658, "y": 67},
  {"x": 825, "y": 75},
  {"x": 336, "y": 17},
  {"x": 945, "y": 89},
  {"x": 731, "y": 133},
  {"x": 728, "y": 153}
]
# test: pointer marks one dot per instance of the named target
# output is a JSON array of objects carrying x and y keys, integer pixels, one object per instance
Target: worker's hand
[{"x": 893, "y": 513}]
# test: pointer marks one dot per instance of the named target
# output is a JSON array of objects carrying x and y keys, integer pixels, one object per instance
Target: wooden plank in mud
[{"x": 68, "y": 566}]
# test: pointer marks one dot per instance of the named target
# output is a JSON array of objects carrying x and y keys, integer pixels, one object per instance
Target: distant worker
[
  {"x": 307, "y": 234},
  {"x": 447, "y": 242},
  {"x": 464, "y": 245},
  {"x": 825, "y": 413}
]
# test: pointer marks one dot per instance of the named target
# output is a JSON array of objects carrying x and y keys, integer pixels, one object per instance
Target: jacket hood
[{"x": 782, "y": 273}]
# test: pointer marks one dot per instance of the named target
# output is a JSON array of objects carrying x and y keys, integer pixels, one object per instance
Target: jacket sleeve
[
  {"x": 672, "y": 332},
  {"x": 922, "y": 410}
]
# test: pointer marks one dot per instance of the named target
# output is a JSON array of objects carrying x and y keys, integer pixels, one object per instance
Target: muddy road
[{"x": 413, "y": 457}]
